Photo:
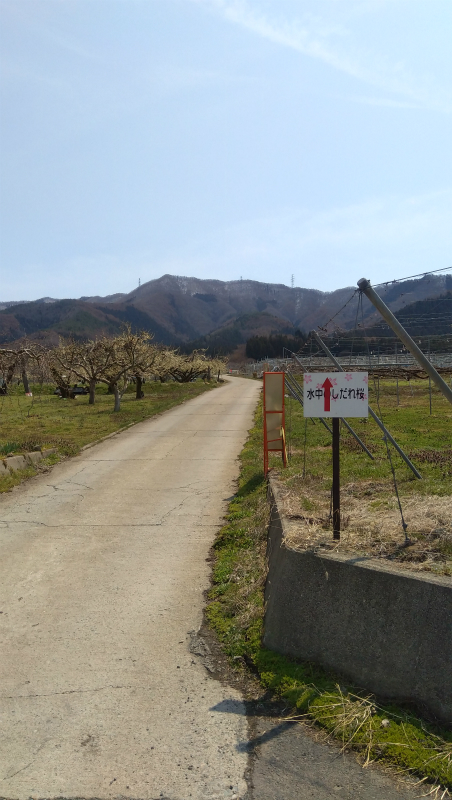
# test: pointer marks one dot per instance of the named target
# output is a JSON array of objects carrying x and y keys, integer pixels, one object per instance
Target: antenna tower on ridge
[{"x": 292, "y": 282}]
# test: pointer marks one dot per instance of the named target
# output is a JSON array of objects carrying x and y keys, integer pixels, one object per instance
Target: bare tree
[
  {"x": 116, "y": 361},
  {"x": 187, "y": 368},
  {"x": 133, "y": 356},
  {"x": 86, "y": 361},
  {"x": 15, "y": 362},
  {"x": 113, "y": 361}
]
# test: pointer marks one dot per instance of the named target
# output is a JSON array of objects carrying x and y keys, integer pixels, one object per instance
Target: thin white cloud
[{"x": 316, "y": 39}]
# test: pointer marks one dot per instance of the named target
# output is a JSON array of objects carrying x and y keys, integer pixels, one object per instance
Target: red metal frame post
[{"x": 280, "y": 411}]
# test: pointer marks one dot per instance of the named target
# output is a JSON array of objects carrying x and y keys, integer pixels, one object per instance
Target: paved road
[
  {"x": 102, "y": 566},
  {"x": 104, "y": 692},
  {"x": 293, "y": 762}
]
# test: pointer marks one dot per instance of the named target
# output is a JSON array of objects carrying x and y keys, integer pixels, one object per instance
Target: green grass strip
[{"x": 235, "y": 612}]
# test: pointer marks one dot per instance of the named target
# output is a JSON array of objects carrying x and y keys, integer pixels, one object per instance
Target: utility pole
[
  {"x": 371, "y": 412},
  {"x": 399, "y": 330}
]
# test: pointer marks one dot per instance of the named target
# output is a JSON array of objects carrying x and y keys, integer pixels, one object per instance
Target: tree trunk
[
  {"x": 10, "y": 373},
  {"x": 92, "y": 392},
  {"x": 62, "y": 384},
  {"x": 25, "y": 380},
  {"x": 117, "y": 398},
  {"x": 139, "y": 383},
  {"x": 111, "y": 388}
]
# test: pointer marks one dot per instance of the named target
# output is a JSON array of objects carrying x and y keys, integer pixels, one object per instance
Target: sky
[{"x": 261, "y": 139}]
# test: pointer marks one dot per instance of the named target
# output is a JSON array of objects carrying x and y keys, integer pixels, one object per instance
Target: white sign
[{"x": 335, "y": 394}]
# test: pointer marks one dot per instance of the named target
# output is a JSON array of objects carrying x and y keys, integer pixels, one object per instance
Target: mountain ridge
[{"x": 178, "y": 309}]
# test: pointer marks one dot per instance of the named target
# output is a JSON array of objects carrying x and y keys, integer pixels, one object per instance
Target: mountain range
[{"x": 178, "y": 310}]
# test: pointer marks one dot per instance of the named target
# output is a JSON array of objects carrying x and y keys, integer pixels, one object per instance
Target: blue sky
[{"x": 223, "y": 138}]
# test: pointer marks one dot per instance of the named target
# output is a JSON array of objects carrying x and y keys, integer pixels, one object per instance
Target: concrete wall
[{"x": 385, "y": 629}]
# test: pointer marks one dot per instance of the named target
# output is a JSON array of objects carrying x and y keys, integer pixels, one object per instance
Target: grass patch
[
  {"x": 235, "y": 611},
  {"x": 45, "y": 420},
  {"x": 15, "y": 477}
]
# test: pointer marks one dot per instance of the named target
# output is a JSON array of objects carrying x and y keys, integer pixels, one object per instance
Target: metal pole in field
[
  {"x": 397, "y": 375},
  {"x": 371, "y": 412},
  {"x": 399, "y": 330},
  {"x": 336, "y": 481}
]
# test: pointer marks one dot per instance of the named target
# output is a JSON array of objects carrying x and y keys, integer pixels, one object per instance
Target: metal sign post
[
  {"x": 335, "y": 395},
  {"x": 336, "y": 481}
]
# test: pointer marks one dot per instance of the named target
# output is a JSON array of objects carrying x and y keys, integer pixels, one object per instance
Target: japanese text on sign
[{"x": 335, "y": 394}]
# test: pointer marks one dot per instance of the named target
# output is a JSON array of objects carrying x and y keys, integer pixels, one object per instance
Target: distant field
[
  {"x": 371, "y": 517},
  {"x": 46, "y": 420}
]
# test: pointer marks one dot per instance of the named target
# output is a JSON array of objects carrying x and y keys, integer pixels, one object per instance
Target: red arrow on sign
[{"x": 327, "y": 386}]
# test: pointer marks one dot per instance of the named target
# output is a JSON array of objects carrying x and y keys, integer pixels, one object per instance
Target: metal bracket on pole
[
  {"x": 372, "y": 413},
  {"x": 399, "y": 330},
  {"x": 349, "y": 427}
]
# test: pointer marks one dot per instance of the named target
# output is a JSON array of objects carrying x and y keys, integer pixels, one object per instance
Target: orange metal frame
[{"x": 281, "y": 438}]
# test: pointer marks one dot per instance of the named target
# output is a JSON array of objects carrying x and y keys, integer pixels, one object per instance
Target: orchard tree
[
  {"x": 187, "y": 368},
  {"x": 14, "y": 363},
  {"x": 129, "y": 355},
  {"x": 87, "y": 361}
]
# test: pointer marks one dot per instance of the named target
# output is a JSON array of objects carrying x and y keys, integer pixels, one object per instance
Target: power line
[
  {"x": 419, "y": 275},
  {"x": 324, "y": 327}
]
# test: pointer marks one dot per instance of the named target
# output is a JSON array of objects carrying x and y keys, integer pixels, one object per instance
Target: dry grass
[
  {"x": 372, "y": 526},
  {"x": 358, "y": 722},
  {"x": 347, "y": 716}
]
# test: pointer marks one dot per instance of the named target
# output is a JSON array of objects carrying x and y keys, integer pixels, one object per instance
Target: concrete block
[
  {"x": 34, "y": 458},
  {"x": 16, "y": 462}
]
